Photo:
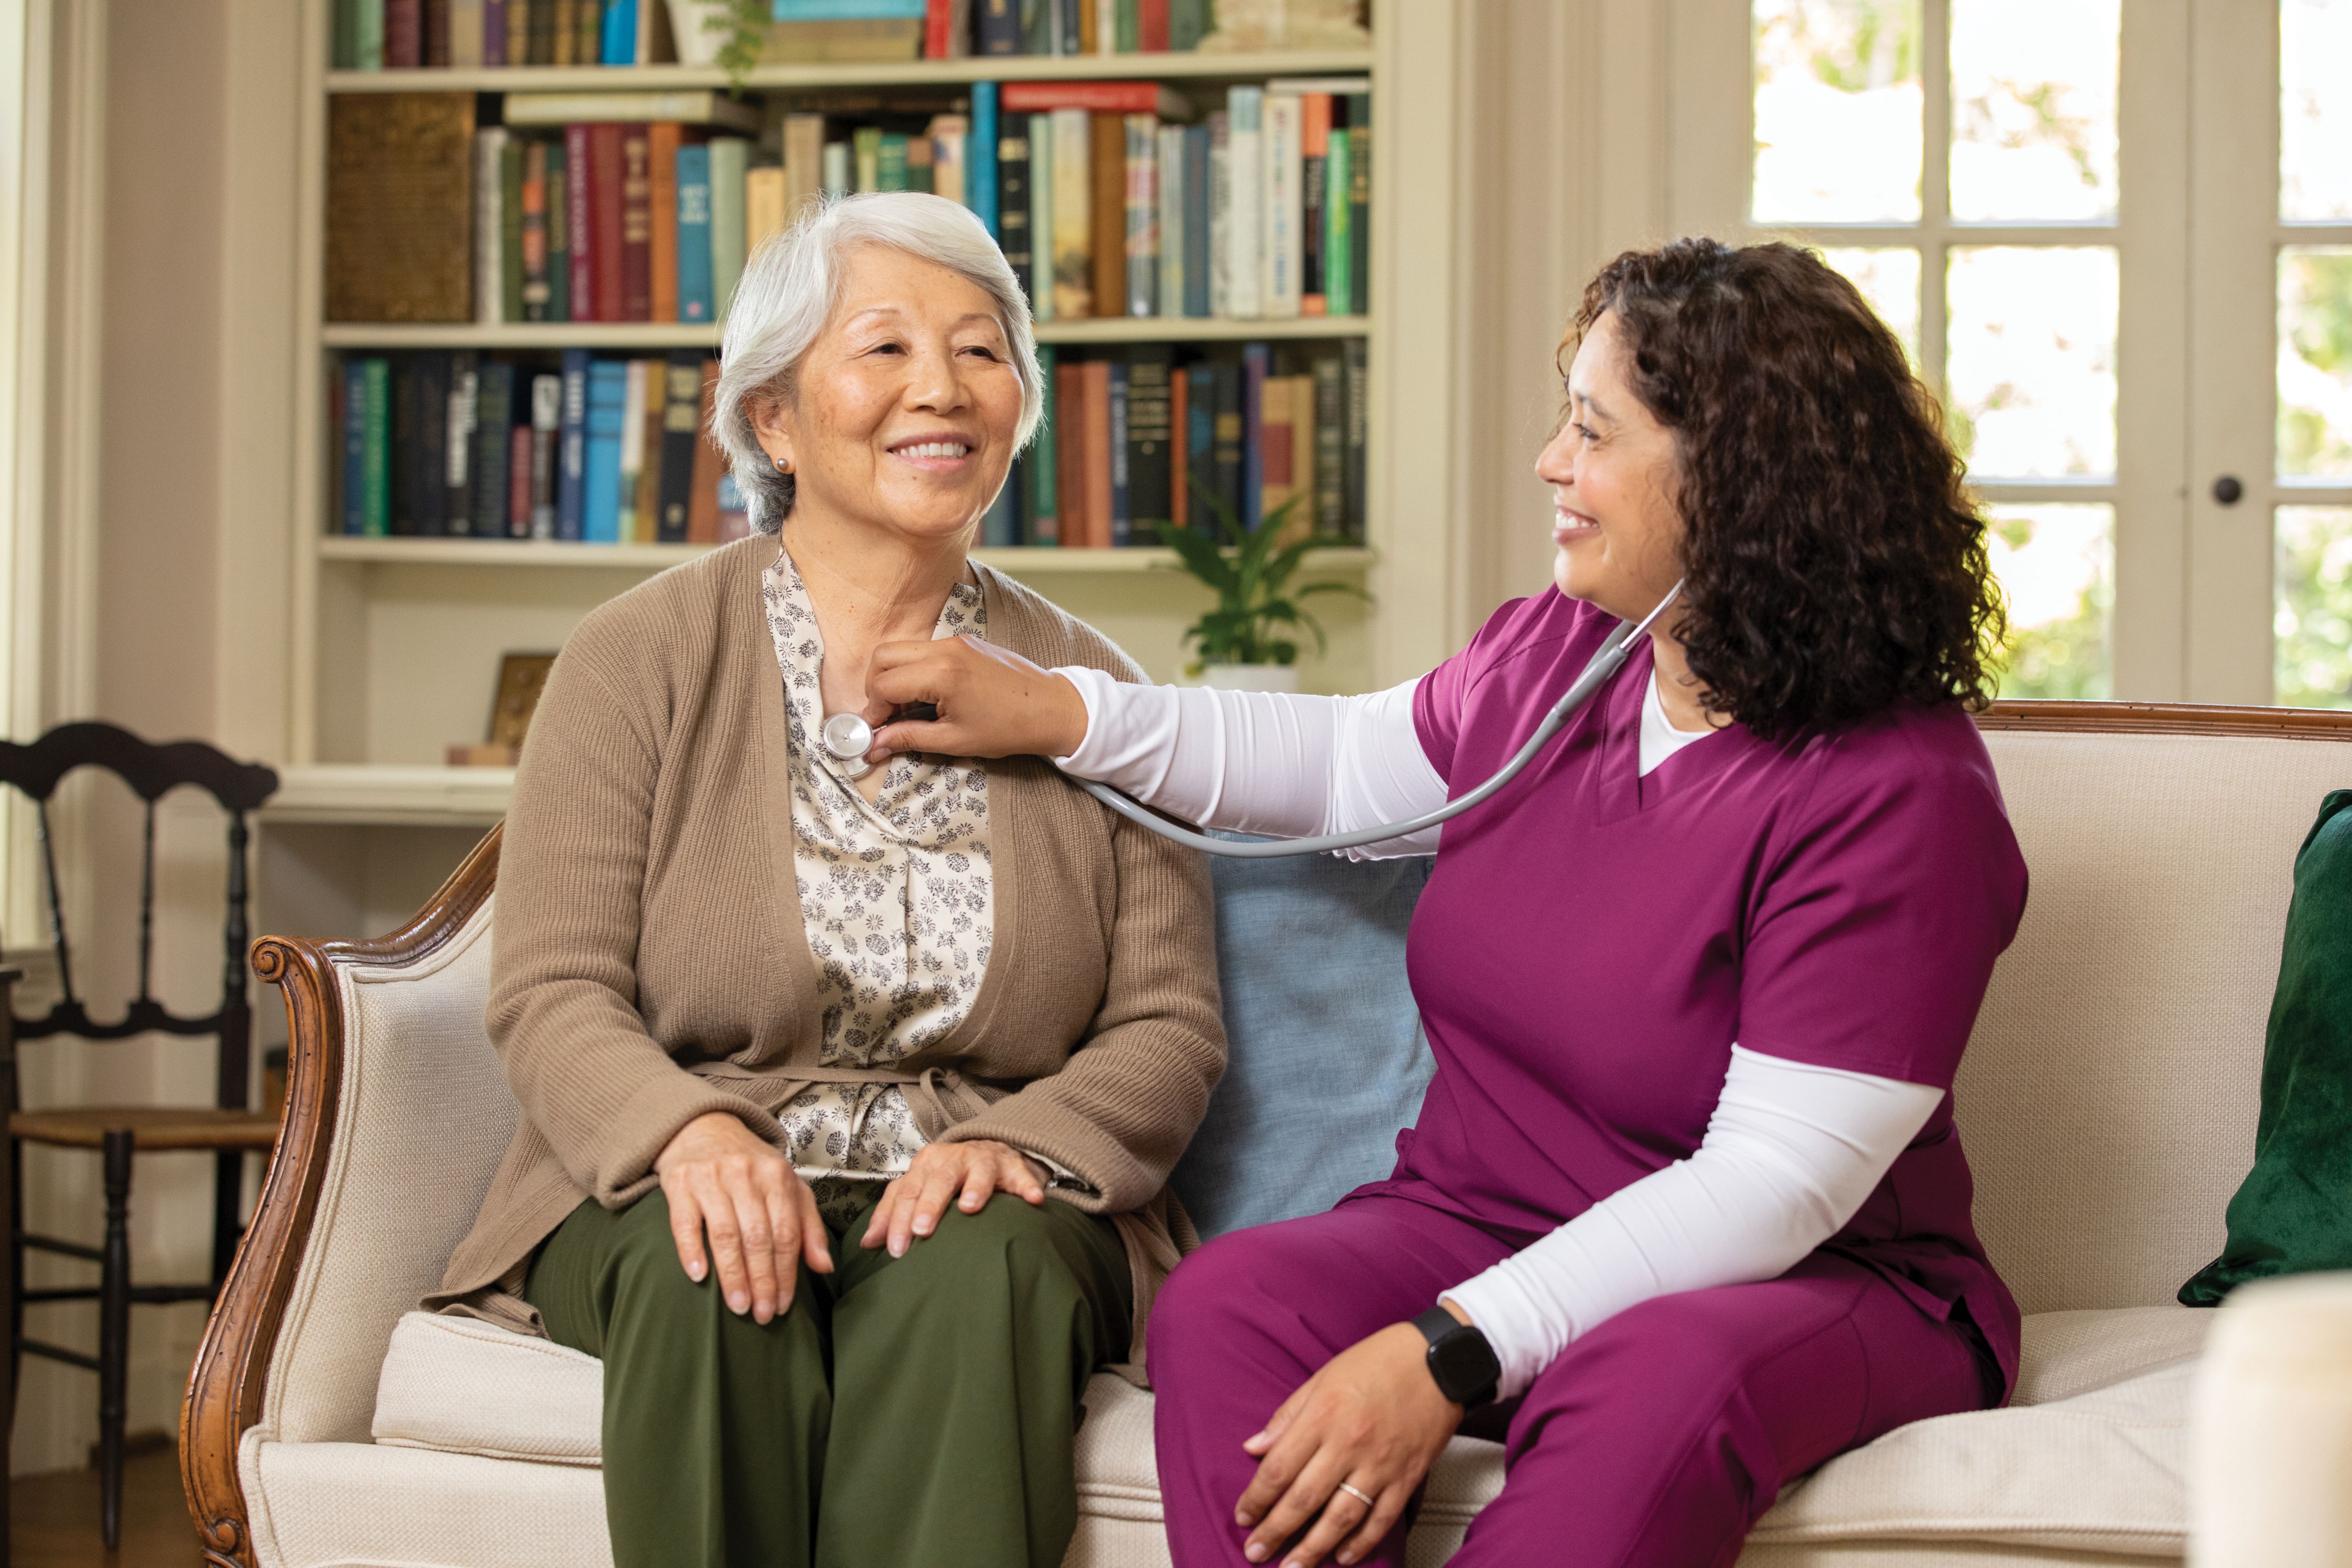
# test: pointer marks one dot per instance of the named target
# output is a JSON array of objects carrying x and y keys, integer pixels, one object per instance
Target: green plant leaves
[{"x": 1249, "y": 571}]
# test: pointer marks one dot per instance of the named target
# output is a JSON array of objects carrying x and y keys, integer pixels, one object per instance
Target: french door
[{"x": 2118, "y": 239}]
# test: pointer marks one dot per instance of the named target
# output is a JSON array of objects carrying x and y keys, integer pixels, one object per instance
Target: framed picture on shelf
[{"x": 522, "y": 677}]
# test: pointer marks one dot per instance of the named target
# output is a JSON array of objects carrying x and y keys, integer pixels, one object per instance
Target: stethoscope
[{"x": 848, "y": 738}]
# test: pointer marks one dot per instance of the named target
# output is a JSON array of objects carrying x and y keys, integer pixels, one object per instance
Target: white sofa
[{"x": 2107, "y": 1101}]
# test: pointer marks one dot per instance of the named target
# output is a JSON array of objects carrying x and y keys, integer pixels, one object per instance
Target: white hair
[{"x": 787, "y": 296}]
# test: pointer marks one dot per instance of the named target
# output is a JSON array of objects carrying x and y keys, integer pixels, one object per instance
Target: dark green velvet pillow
[{"x": 2293, "y": 1215}]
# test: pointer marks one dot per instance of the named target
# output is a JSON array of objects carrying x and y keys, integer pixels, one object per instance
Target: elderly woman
[{"x": 849, "y": 1092}]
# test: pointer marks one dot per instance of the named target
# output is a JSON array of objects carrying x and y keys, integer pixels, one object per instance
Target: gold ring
[{"x": 1358, "y": 1495}]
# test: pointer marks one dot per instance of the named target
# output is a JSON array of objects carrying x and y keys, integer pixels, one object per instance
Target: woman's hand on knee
[
  {"x": 966, "y": 1174},
  {"x": 1373, "y": 1419},
  {"x": 992, "y": 702},
  {"x": 725, "y": 1180}
]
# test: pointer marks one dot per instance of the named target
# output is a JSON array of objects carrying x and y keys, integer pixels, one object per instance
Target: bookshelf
[{"x": 395, "y": 641}]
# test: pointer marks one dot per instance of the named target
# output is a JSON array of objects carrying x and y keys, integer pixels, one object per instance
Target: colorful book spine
[
  {"x": 493, "y": 447},
  {"x": 636, "y": 223},
  {"x": 1074, "y": 281},
  {"x": 1201, "y": 448},
  {"x": 866, "y": 149},
  {"x": 1220, "y": 215},
  {"x": 999, "y": 25},
  {"x": 620, "y": 37},
  {"x": 647, "y": 508},
  {"x": 1360, "y": 200},
  {"x": 694, "y": 297},
  {"x": 662, "y": 141},
  {"x": 1107, "y": 203},
  {"x": 510, "y": 260},
  {"x": 1330, "y": 404},
  {"x": 601, "y": 488},
  {"x": 981, "y": 187},
  {"x": 427, "y": 465},
  {"x": 1098, "y": 471},
  {"x": 1229, "y": 436},
  {"x": 1356, "y": 360},
  {"x": 1012, "y": 205},
  {"x": 355, "y": 446},
  {"x": 1245, "y": 215},
  {"x": 1149, "y": 433},
  {"x": 633, "y": 448},
  {"x": 465, "y": 41},
  {"x": 1338, "y": 271},
  {"x": 1256, "y": 361},
  {"x": 465, "y": 382},
  {"x": 1122, "y": 494},
  {"x": 580, "y": 236},
  {"x": 1169, "y": 162},
  {"x": 494, "y": 32},
  {"x": 1314, "y": 153},
  {"x": 608, "y": 224},
  {"x": 1189, "y": 21},
  {"x": 559, "y": 235},
  {"x": 681, "y": 425},
  {"x": 1180, "y": 431},
  {"x": 1198, "y": 247},
  {"x": 535, "y": 292},
  {"x": 1070, "y": 454},
  {"x": 1142, "y": 248},
  {"x": 1000, "y": 526},
  {"x": 840, "y": 171},
  {"x": 890, "y": 164},
  {"x": 375, "y": 452},
  {"x": 404, "y": 35},
  {"x": 1040, "y": 513},
  {"x": 729, "y": 161},
  {"x": 1282, "y": 253},
  {"x": 527, "y": 467},
  {"x": 1277, "y": 453},
  {"x": 547, "y": 412},
  {"x": 490, "y": 224},
  {"x": 763, "y": 207},
  {"x": 1042, "y": 289},
  {"x": 709, "y": 464},
  {"x": 572, "y": 460}
]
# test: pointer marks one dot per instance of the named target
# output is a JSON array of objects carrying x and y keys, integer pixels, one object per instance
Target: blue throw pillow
[{"x": 1328, "y": 1061}]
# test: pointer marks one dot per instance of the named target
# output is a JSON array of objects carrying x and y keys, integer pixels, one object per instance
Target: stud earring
[{"x": 783, "y": 466}]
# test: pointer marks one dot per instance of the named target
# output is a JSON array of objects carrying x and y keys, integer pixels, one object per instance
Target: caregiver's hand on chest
[{"x": 1373, "y": 1419}]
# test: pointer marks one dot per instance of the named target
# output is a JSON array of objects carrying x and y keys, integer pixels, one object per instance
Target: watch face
[{"x": 1464, "y": 1365}]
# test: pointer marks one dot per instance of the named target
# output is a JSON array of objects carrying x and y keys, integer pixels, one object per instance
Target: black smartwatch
[{"x": 1460, "y": 1359}]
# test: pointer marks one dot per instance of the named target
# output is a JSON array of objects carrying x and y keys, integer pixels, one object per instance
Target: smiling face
[
  {"x": 1610, "y": 467},
  {"x": 903, "y": 412}
]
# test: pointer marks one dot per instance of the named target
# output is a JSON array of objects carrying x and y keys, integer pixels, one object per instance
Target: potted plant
[{"x": 1240, "y": 643}]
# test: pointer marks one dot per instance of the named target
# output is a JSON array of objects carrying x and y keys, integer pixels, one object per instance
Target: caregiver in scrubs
[{"x": 1685, "y": 1214}]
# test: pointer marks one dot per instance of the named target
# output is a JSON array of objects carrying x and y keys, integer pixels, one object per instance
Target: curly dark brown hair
[{"x": 1835, "y": 564}]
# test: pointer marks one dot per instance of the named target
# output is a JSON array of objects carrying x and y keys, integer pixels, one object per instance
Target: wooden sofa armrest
[
  {"x": 2170, "y": 718},
  {"x": 225, "y": 1391}
]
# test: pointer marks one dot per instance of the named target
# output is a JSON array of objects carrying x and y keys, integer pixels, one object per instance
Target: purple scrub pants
[{"x": 1656, "y": 1439}]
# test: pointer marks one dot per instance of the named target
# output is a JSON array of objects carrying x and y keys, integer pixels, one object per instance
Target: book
[
  {"x": 709, "y": 463},
  {"x": 375, "y": 452},
  {"x": 600, "y": 507},
  {"x": 636, "y": 225},
  {"x": 840, "y": 175},
  {"x": 634, "y": 380},
  {"x": 999, "y": 25},
  {"x": 1329, "y": 385},
  {"x": 987, "y": 127},
  {"x": 730, "y": 158},
  {"x": 579, "y": 221},
  {"x": 607, "y": 220},
  {"x": 1179, "y": 455},
  {"x": 541, "y": 517},
  {"x": 803, "y": 164},
  {"x": 1197, "y": 238},
  {"x": 1116, "y": 32},
  {"x": 1042, "y": 301},
  {"x": 1281, "y": 250},
  {"x": 1360, "y": 202},
  {"x": 400, "y": 196},
  {"x": 1000, "y": 526},
  {"x": 1141, "y": 240},
  {"x": 349, "y": 409},
  {"x": 890, "y": 163},
  {"x": 1150, "y": 416},
  {"x": 947, "y": 29},
  {"x": 1356, "y": 362},
  {"x": 588, "y": 41},
  {"x": 662, "y": 139},
  {"x": 1170, "y": 164},
  {"x": 1151, "y": 27},
  {"x": 709, "y": 106},
  {"x": 1278, "y": 476},
  {"x": 865, "y": 151},
  {"x": 1256, "y": 366},
  {"x": 1070, "y": 28},
  {"x": 559, "y": 235},
  {"x": 1095, "y": 96},
  {"x": 647, "y": 507},
  {"x": 463, "y": 19},
  {"x": 694, "y": 298},
  {"x": 1013, "y": 204},
  {"x": 493, "y": 446},
  {"x": 1073, "y": 273},
  {"x": 1089, "y": 27},
  {"x": 1093, "y": 413},
  {"x": 536, "y": 294},
  {"x": 1221, "y": 216},
  {"x": 428, "y": 466},
  {"x": 403, "y": 34},
  {"x": 511, "y": 276},
  {"x": 763, "y": 207},
  {"x": 1314, "y": 153},
  {"x": 564, "y": 33},
  {"x": 1070, "y": 454},
  {"x": 494, "y": 15},
  {"x": 1245, "y": 212},
  {"x": 535, "y": 30},
  {"x": 490, "y": 225},
  {"x": 1107, "y": 209},
  {"x": 848, "y": 10},
  {"x": 1189, "y": 21},
  {"x": 457, "y": 443},
  {"x": 843, "y": 41},
  {"x": 526, "y": 461},
  {"x": 1115, "y": 447},
  {"x": 572, "y": 451},
  {"x": 1228, "y": 440},
  {"x": 951, "y": 136},
  {"x": 1339, "y": 287},
  {"x": 1040, "y": 469},
  {"x": 400, "y": 448},
  {"x": 681, "y": 423},
  {"x": 343, "y": 46},
  {"x": 620, "y": 34}
]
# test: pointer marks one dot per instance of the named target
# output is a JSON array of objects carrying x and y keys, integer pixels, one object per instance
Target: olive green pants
[{"x": 915, "y": 1411}]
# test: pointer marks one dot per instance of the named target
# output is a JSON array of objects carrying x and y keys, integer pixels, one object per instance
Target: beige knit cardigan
[{"x": 649, "y": 963}]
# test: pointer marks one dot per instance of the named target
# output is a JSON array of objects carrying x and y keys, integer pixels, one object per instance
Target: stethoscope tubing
[{"x": 1605, "y": 663}]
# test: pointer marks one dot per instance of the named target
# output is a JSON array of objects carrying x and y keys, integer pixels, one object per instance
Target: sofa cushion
[
  {"x": 1326, "y": 1059},
  {"x": 2089, "y": 1460},
  {"x": 464, "y": 1386}
]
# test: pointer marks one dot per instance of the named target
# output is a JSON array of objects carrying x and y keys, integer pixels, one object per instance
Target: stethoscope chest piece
[{"x": 848, "y": 738}]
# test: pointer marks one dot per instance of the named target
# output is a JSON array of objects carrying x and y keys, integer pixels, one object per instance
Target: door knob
[{"x": 2228, "y": 490}]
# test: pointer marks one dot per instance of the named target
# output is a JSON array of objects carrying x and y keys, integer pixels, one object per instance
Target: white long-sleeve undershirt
[{"x": 1791, "y": 1151}]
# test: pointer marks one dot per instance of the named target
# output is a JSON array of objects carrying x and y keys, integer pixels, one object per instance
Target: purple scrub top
[{"x": 1593, "y": 943}]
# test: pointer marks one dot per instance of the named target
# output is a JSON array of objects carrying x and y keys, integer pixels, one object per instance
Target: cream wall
[{"x": 185, "y": 627}]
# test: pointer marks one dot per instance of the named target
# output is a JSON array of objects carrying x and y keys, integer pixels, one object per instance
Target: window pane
[
  {"x": 2058, "y": 566},
  {"x": 2314, "y": 626},
  {"x": 2033, "y": 108},
  {"x": 1838, "y": 110},
  {"x": 2030, "y": 358},
  {"x": 2314, "y": 360},
  {"x": 1889, "y": 279},
  {"x": 2315, "y": 110}
]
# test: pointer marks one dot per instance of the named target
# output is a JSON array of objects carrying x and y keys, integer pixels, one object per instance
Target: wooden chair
[{"x": 229, "y": 1128}]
